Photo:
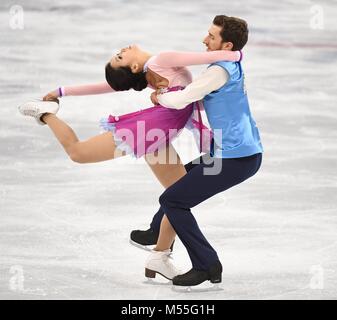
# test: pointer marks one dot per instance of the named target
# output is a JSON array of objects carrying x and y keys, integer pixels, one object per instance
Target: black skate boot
[
  {"x": 144, "y": 238},
  {"x": 196, "y": 277}
]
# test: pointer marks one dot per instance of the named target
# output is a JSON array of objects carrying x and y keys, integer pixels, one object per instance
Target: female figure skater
[{"x": 134, "y": 68}]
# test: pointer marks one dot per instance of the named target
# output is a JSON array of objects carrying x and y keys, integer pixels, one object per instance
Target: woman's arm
[
  {"x": 87, "y": 89},
  {"x": 81, "y": 90},
  {"x": 182, "y": 59}
]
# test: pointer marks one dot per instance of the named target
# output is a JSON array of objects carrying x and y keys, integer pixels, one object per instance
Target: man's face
[{"x": 213, "y": 40}]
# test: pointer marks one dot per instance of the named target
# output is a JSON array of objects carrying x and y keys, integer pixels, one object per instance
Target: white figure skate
[
  {"x": 160, "y": 262},
  {"x": 36, "y": 108}
]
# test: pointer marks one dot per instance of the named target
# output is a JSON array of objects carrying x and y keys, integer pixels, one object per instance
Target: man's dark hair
[
  {"x": 122, "y": 78},
  {"x": 233, "y": 30}
]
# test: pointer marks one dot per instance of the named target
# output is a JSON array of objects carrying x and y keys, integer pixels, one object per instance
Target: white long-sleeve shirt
[{"x": 210, "y": 80}]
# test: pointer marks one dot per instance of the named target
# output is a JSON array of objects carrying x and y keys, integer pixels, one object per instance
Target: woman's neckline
[{"x": 146, "y": 65}]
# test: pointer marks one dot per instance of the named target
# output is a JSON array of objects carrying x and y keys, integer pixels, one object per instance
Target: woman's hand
[{"x": 52, "y": 96}]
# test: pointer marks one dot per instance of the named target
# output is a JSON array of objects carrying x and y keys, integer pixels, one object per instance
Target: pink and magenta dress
[{"x": 148, "y": 130}]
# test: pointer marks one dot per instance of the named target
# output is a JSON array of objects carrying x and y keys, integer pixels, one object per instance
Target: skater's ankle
[
  {"x": 45, "y": 116},
  {"x": 161, "y": 249}
]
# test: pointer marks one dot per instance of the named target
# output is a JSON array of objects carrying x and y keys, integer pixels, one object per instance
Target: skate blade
[
  {"x": 140, "y": 246},
  {"x": 150, "y": 281},
  {"x": 197, "y": 289}
]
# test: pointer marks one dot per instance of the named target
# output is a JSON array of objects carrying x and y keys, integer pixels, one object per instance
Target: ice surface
[{"x": 64, "y": 227}]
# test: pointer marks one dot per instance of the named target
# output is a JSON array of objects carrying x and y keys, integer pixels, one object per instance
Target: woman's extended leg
[
  {"x": 168, "y": 168},
  {"x": 95, "y": 149},
  {"x": 165, "y": 163}
]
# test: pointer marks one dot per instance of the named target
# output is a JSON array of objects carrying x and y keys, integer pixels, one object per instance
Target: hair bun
[{"x": 122, "y": 78}]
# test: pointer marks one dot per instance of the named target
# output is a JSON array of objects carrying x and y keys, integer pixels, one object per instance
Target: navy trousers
[{"x": 202, "y": 181}]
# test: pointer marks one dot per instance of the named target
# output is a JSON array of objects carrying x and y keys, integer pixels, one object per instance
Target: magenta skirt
[{"x": 146, "y": 131}]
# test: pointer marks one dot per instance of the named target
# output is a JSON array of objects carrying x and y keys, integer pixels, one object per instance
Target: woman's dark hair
[
  {"x": 122, "y": 78},
  {"x": 233, "y": 30}
]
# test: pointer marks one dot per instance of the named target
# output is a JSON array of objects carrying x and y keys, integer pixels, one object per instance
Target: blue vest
[{"x": 235, "y": 132}]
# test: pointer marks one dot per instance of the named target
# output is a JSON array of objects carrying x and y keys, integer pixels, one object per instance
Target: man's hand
[
  {"x": 51, "y": 96},
  {"x": 154, "y": 98}
]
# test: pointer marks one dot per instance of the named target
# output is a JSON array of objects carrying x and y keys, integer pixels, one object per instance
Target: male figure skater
[{"x": 236, "y": 152}]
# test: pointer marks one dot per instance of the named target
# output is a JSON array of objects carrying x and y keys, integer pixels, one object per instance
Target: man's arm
[{"x": 212, "y": 79}]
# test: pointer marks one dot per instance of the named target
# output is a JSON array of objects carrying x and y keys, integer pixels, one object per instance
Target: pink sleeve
[
  {"x": 182, "y": 59},
  {"x": 87, "y": 89}
]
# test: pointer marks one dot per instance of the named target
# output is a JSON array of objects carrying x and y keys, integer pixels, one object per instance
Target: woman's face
[{"x": 125, "y": 57}]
